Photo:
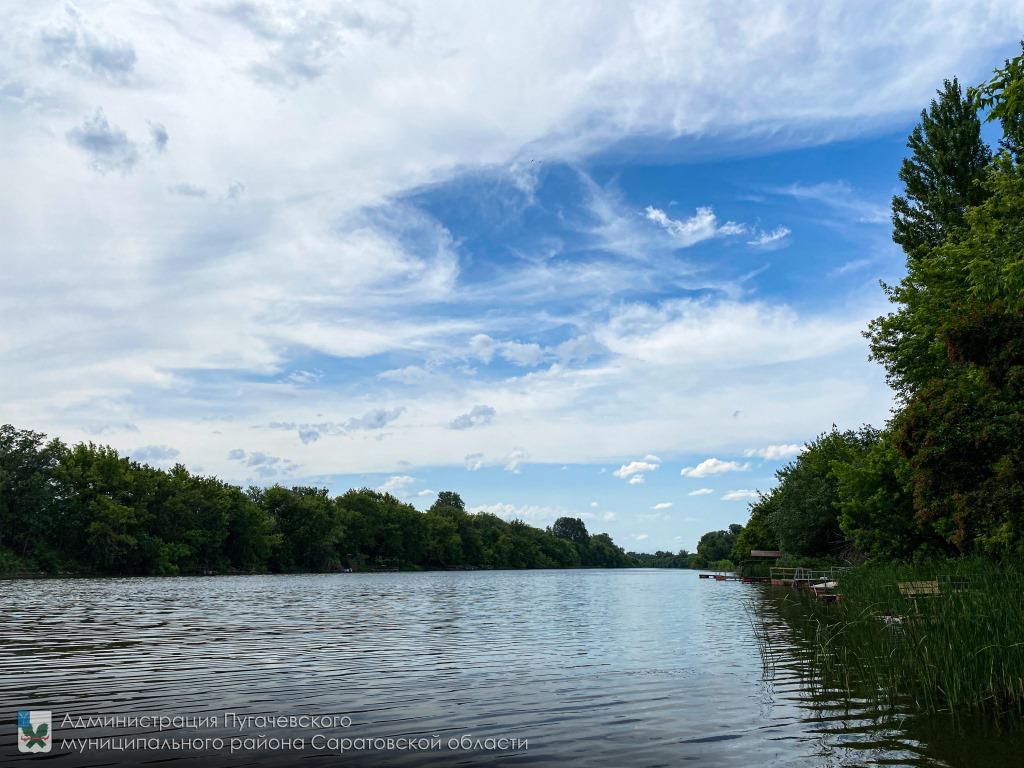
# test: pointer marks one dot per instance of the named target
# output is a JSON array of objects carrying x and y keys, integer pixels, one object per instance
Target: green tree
[
  {"x": 876, "y": 502},
  {"x": 805, "y": 505},
  {"x": 571, "y": 529},
  {"x": 758, "y": 533},
  {"x": 311, "y": 534},
  {"x": 449, "y": 500},
  {"x": 1003, "y": 96},
  {"x": 111, "y": 535},
  {"x": 28, "y": 496},
  {"x": 715, "y": 546},
  {"x": 942, "y": 176},
  {"x": 942, "y": 180}
]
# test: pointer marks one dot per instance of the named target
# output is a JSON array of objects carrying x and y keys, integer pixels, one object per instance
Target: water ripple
[{"x": 594, "y": 668}]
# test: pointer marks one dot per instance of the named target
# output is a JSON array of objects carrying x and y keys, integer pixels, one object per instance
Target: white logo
[{"x": 35, "y": 730}]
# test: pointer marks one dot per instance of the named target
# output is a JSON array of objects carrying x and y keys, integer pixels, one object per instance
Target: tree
[
  {"x": 28, "y": 465},
  {"x": 311, "y": 533},
  {"x": 572, "y": 529},
  {"x": 1003, "y": 96},
  {"x": 876, "y": 502},
  {"x": 111, "y": 535},
  {"x": 88, "y": 509},
  {"x": 715, "y": 546},
  {"x": 942, "y": 180},
  {"x": 804, "y": 506},
  {"x": 942, "y": 177},
  {"x": 449, "y": 500},
  {"x": 758, "y": 533}
]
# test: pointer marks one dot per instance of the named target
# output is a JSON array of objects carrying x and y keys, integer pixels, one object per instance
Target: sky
[{"x": 610, "y": 260}]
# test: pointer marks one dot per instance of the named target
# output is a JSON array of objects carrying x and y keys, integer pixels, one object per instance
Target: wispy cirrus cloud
[
  {"x": 841, "y": 197},
  {"x": 703, "y": 225},
  {"x": 771, "y": 239}
]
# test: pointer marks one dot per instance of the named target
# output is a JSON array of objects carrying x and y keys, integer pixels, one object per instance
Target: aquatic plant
[{"x": 960, "y": 650}]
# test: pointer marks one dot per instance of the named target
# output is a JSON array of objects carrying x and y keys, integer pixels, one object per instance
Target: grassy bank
[{"x": 959, "y": 651}]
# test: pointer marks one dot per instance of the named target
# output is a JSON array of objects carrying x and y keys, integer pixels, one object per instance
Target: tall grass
[{"x": 961, "y": 651}]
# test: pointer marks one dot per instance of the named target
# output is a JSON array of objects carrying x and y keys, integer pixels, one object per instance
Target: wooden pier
[{"x": 721, "y": 576}]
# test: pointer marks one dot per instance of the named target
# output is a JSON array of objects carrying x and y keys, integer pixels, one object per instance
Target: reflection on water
[{"x": 602, "y": 668}]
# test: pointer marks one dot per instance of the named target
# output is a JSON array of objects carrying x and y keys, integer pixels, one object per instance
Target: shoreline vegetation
[
  {"x": 930, "y": 509},
  {"x": 957, "y": 648},
  {"x": 84, "y": 510}
]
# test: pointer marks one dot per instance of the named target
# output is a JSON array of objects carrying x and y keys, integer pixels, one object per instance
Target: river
[{"x": 562, "y": 668}]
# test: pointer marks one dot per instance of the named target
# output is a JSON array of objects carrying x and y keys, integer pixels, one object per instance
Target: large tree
[
  {"x": 942, "y": 180},
  {"x": 942, "y": 174}
]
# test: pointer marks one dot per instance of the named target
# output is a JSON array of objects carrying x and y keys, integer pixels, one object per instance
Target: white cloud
[
  {"x": 478, "y": 416},
  {"x": 634, "y": 471},
  {"x": 107, "y": 146},
  {"x": 768, "y": 240},
  {"x": 264, "y": 465},
  {"x": 723, "y": 334},
  {"x": 701, "y": 492},
  {"x": 474, "y": 461},
  {"x": 484, "y": 348},
  {"x": 594, "y": 505},
  {"x": 714, "y": 466},
  {"x": 741, "y": 495},
  {"x": 396, "y": 484},
  {"x": 301, "y": 246},
  {"x": 663, "y": 505},
  {"x": 514, "y": 460},
  {"x": 703, "y": 225},
  {"x": 641, "y": 537},
  {"x": 608, "y": 516},
  {"x": 155, "y": 454},
  {"x": 775, "y": 452},
  {"x": 840, "y": 196},
  {"x": 635, "y": 468},
  {"x": 72, "y": 43}
]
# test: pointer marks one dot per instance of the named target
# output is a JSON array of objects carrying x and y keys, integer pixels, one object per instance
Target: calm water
[{"x": 594, "y": 668}]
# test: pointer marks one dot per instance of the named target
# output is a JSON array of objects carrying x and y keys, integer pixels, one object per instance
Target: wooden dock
[{"x": 721, "y": 576}]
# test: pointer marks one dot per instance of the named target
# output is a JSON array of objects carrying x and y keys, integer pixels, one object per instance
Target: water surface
[{"x": 590, "y": 667}]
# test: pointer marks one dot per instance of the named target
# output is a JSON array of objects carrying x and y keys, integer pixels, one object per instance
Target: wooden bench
[
  {"x": 914, "y": 590},
  {"x": 919, "y": 588}
]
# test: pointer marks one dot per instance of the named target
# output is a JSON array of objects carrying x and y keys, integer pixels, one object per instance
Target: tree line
[
  {"x": 87, "y": 509},
  {"x": 945, "y": 475}
]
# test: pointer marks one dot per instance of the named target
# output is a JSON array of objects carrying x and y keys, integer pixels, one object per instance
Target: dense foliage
[
  {"x": 85, "y": 509},
  {"x": 946, "y": 475}
]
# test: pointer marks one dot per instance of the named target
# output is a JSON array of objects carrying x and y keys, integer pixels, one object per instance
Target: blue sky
[{"x": 609, "y": 260}]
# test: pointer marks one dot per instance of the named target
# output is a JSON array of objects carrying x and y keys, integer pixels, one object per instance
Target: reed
[{"x": 959, "y": 651}]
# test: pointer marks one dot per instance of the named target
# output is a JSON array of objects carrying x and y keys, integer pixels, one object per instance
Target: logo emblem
[{"x": 34, "y": 730}]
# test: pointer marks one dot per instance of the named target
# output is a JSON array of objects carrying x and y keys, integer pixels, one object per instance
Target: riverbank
[{"x": 946, "y": 636}]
